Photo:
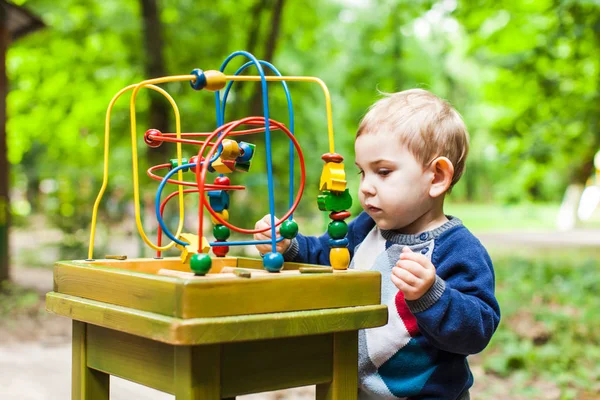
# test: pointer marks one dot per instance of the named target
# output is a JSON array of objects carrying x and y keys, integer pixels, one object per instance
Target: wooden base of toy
[{"x": 146, "y": 328}]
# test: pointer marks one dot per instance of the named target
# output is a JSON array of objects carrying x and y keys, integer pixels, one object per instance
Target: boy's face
[{"x": 394, "y": 187}]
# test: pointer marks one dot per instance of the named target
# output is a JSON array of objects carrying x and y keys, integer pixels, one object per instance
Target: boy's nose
[{"x": 367, "y": 188}]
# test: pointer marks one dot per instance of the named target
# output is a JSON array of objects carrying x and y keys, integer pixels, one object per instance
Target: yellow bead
[
  {"x": 231, "y": 149},
  {"x": 339, "y": 258},
  {"x": 190, "y": 249},
  {"x": 223, "y": 214},
  {"x": 223, "y": 167},
  {"x": 333, "y": 177},
  {"x": 215, "y": 80}
]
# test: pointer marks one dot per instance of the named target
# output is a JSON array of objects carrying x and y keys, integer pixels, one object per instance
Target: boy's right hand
[{"x": 265, "y": 222}]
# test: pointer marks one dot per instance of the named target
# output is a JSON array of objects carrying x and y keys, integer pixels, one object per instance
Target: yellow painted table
[{"x": 217, "y": 336}]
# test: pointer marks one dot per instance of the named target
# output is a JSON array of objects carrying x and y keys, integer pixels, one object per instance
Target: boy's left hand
[{"x": 413, "y": 274}]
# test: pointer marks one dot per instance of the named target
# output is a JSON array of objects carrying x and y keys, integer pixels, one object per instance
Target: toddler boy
[{"x": 437, "y": 278}]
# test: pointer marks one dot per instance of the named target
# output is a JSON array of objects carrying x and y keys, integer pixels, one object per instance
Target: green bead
[
  {"x": 337, "y": 229},
  {"x": 330, "y": 201},
  {"x": 221, "y": 232},
  {"x": 174, "y": 163},
  {"x": 200, "y": 263},
  {"x": 289, "y": 229}
]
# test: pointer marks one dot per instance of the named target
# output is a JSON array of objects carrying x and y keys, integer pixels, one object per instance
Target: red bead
[
  {"x": 340, "y": 215},
  {"x": 220, "y": 251},
  {"x": 152, "y": 142},
  {"x": 222, "y": 180},
  {"x": 332, "y": 157}
]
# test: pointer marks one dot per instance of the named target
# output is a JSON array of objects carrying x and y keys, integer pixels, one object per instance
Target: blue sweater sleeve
[
  {"x": 459, "y": 314},
  {"x": 315, "y": 250}
]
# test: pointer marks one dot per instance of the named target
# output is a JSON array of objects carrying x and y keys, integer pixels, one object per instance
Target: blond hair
[{"x": 427, "y": 125}]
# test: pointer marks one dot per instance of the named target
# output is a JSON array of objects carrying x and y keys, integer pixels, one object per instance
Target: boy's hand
[
  {"x": 413, "y": 274},
  {"x": 266, "y": 248}
]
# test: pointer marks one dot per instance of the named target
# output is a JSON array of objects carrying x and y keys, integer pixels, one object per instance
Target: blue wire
[
  {"x": 265, "y": 99},
  {"x": 290, "y": 113},
  {"x": 166, "y": 230},
  {"x": 157, "y": 202}
]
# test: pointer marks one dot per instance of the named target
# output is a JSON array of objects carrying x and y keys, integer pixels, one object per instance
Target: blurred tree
[
  {"x": 542, "y": 86},
  {"x": 159, "y": 109},
  {"x": 15, "y": 22}
]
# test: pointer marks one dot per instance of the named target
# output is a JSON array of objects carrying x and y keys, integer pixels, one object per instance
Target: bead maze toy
[
  {"x": 220, "y": 153},
  {"x": 203, "y": 327}
]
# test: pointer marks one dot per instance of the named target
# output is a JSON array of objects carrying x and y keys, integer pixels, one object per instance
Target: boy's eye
[{"x": 384, "y": 172}]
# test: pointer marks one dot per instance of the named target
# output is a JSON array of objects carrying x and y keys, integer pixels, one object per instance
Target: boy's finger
[
  {"x": 405, "y": 276},
  {"x": 418, "y": 258},
  {"x": 406, "y": 249},
  {"x": 400, "y": 284},
  {"x": 413, "y": 267}
]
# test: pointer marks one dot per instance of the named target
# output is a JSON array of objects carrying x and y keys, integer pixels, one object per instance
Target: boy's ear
[{"x": 443, "y": 172}]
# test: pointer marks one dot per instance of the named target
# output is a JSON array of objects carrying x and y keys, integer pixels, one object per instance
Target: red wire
[
  {"x": 234, "y": 133},
  {"x": 201, "y": 172},
  {"x": 183, "y": 183}
]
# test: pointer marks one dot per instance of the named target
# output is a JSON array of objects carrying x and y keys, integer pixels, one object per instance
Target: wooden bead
[
  {"x": 153, "y": 142},
  {"x": 222, "y": 180},
  {"x": 289, "y": 229},
  {"x": 223, "y": 166},
  {"x": 273, "y": 262},
  {"x": 247, "y": 152},
  {"x": 215, "y": 80},
  {"x": 332, "y": 157},
  {"x": 231, "y": 149},
  {"x": 218, "y": 199},
  {"x": 175, "y": 163},
  {"x": 243, "y": 166},
  {"x": 221, "y": 232},
  {"x": 220, "y": 251},
  {"x": 340, "y": 215},
  {"x": 337, "y": 229},
  {"x": 329, "y": 201},
  {"x": 223, "y": 214},
  {"x": 339, "y": 242},
  {"x": 200, "y": 264},
  {"x": 333, "y": 177},
  {"x": 339, "y": 258}
]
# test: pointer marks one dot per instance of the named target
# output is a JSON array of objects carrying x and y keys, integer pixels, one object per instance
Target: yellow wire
[
  {"x": 136, "y": 192},
  {"x": 150, "y": 84},
  {"x": 106, "y": 159},
  {"x": 298, "y": 79}
]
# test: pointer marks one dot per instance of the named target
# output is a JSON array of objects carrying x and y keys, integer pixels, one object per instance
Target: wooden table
[{"x": 214, "y": 337}]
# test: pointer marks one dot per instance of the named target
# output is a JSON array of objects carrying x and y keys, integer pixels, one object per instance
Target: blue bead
[
  {"x": 273, "y": 262},
  {"x": 338, "y": 242},
  {"x": 248, "y": 151},
  {"x": 423, "y": 236},
  {"x": 424, "y": 250},
  {"x": 219, "y": 200},
  {"x": 200, "y": 82}
]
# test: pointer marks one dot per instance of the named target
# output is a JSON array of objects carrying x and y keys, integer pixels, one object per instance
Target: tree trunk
[
  {"x": 154, "y": 67},
  {"x": 4, "y": 171},
  {"x": 256, "y": 107}
]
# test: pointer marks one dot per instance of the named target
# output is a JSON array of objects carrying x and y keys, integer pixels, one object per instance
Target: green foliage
[
  {"x": 549, "y": 324},
  {"x": 539, "y": 84},
  {"x": 523, "y": 75}
]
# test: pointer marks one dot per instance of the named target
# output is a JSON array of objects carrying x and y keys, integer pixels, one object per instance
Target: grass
[
  {"x": 550, "y": 328},
  {"x": 496, "y": 217}
]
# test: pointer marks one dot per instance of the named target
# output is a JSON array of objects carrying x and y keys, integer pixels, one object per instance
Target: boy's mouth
[{"x": 373, "y": 209}]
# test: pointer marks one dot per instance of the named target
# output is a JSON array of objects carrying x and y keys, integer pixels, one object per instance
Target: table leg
[
  {"x": 198, "y": 372},
  {"x": 344, "y": 385},
  {"x": 86, "y": 383}
]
